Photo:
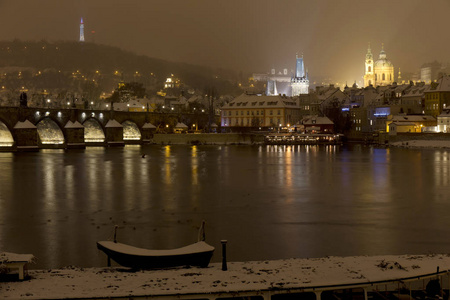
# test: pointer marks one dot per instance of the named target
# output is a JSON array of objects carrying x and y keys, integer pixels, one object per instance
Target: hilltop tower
[
  {"x": 300, "y": 82},
  {"x": 369, "y": 78},
  {"x": 81, "y": 31}
]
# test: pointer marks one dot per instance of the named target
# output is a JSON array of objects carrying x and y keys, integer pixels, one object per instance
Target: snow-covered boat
[{"x": 198, "y": 254}]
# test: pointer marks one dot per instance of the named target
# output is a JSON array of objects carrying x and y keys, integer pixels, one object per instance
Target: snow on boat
[{"x": 198, "y": 254}]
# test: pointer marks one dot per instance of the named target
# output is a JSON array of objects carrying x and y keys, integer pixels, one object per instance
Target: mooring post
[
  {"x": 109, "y": 261},
  {"x": 115, "y": 233},
  {"x": 224, "y": 255}
]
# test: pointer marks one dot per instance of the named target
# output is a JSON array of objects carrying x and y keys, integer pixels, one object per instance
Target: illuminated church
[
  {"x": 379, "y": 72},
  {"x": 289, "y": 86}
]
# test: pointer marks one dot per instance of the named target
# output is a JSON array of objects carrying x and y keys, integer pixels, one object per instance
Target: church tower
[
  {"x": 81, "y": 31},
  {"x": 300, "y": 82},
  {"x": 369, "y": 78}
]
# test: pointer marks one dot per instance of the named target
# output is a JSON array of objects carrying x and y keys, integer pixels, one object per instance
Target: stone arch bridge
[{"x": 23, "y": 128}]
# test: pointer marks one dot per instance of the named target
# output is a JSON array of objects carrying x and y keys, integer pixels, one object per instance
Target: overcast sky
[{"x": 247, "y": 35}]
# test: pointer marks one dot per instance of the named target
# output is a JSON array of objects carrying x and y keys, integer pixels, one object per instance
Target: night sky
[{"x": 247, "y": 35}]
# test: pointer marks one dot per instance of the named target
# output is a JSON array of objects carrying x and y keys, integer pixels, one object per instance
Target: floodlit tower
[
  {"x": 369, "y": 78},
  {"x": 81, "y": 31},
  {"x": 300, "y": 82}
]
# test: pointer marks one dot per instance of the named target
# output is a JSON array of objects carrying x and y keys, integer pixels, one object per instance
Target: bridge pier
[
  {"x": 114, "y": 133},
  {"x": 74, "y": 133},
  {"x": 147, "y": 132},
  {"x": 27, "y": 137}
]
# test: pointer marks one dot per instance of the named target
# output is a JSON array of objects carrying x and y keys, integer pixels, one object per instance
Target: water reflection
[{"x": 270, "y": 202}]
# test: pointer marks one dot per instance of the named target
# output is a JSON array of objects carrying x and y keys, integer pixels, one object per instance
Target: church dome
[
  {"x": 383, "y": 63},
  {"x": 382, "y": 60}
]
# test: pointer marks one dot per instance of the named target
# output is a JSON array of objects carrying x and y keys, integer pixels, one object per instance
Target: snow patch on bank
[
  {"x": 423, "y": 144},
  {"x": 73, "y": 282}
]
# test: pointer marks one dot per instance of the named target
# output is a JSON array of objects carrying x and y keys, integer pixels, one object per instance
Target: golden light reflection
[
  {"x": 92, "y": 182},
  {"x": 441, "y": 169},
  {"x": 49, "y": 181},
  {"x": 194, "y": 165},
  {"x": 167, "y": 167},
  {"x": 288, "y": 163},
  {"x": 69, "y": 184}
]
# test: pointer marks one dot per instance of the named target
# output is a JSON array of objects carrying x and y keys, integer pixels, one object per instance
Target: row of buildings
[{"x": 397, "y": 108}]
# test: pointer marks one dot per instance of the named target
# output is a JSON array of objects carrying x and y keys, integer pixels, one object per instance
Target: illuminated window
[
  {"x": 370, "y": 69},
  {"x": 383, "y": 77}
]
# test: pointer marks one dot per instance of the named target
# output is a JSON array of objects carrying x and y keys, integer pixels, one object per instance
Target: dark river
[{"x": 269, "y": 202}]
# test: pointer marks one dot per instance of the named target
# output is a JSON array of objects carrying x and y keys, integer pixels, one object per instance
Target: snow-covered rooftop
[
  {"x": 148, "y": 125},
  {"x": 113, "y": 123},
  {"x": 181, "y": 125},
  {"x": 24, "y": 125},
  {"x": 75, "y": 124},
  {"x": 317, "y": 273}
]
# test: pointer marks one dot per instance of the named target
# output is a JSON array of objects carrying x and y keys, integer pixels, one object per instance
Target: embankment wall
[{"x": 208, "y": 138}]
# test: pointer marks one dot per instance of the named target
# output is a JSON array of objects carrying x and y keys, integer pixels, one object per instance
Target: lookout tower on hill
[{"x": 81, "y": 30}]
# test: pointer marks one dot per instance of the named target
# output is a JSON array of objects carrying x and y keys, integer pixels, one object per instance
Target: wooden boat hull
[{"x": 198, "y": 254}]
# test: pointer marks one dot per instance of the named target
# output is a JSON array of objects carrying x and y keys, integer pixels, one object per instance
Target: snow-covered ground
[
  {"x": 423, "y": 144},
  {"x": 73, "y": 282}
]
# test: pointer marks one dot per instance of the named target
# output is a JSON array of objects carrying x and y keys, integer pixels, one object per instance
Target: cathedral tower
[
  {"x": 81, "y": 31},
  {"x": 369, "y": 78}
]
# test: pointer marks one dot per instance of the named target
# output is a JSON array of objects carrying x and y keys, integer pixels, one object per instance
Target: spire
[
  {"x": 299, "y": 67},
  {"x": 382, "y": 53},
  {"x": 369, "y": 53}
]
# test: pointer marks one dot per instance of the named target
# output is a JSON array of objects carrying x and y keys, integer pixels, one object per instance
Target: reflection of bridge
[{"x": 32, "y": 128}]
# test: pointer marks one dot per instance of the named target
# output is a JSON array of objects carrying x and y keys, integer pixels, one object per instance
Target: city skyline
[{"x": 253, "y": 36}]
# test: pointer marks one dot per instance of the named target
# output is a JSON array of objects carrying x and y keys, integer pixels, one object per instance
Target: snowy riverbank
[
  {"x": 441, "y": 144},
  {"x": 305, "y": 274}
]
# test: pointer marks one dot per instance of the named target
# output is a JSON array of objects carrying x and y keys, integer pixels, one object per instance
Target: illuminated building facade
[
  {"x": 81, "y": 30},
  {"x": 437, "y": 98},
  {"x": 253, "y": 111},
  {"x": 379, "y": 72}
]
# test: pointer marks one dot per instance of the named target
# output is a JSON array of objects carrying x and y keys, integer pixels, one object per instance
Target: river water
[{"x": 268, "y": 202}]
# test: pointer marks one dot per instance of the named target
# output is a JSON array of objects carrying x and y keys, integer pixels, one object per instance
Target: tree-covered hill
[{"x": 88, "y": 60}]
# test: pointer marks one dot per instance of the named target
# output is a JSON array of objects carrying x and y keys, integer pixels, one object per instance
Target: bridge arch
[
  {"x": 6, "y": 135},
  {"x": 50, "y": 131},
  {"x": 131, "y": 131},
  {"x": 93, "y": 131}
]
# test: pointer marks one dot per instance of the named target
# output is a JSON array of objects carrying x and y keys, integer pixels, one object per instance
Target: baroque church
[{"x": 379, "y": 72}]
